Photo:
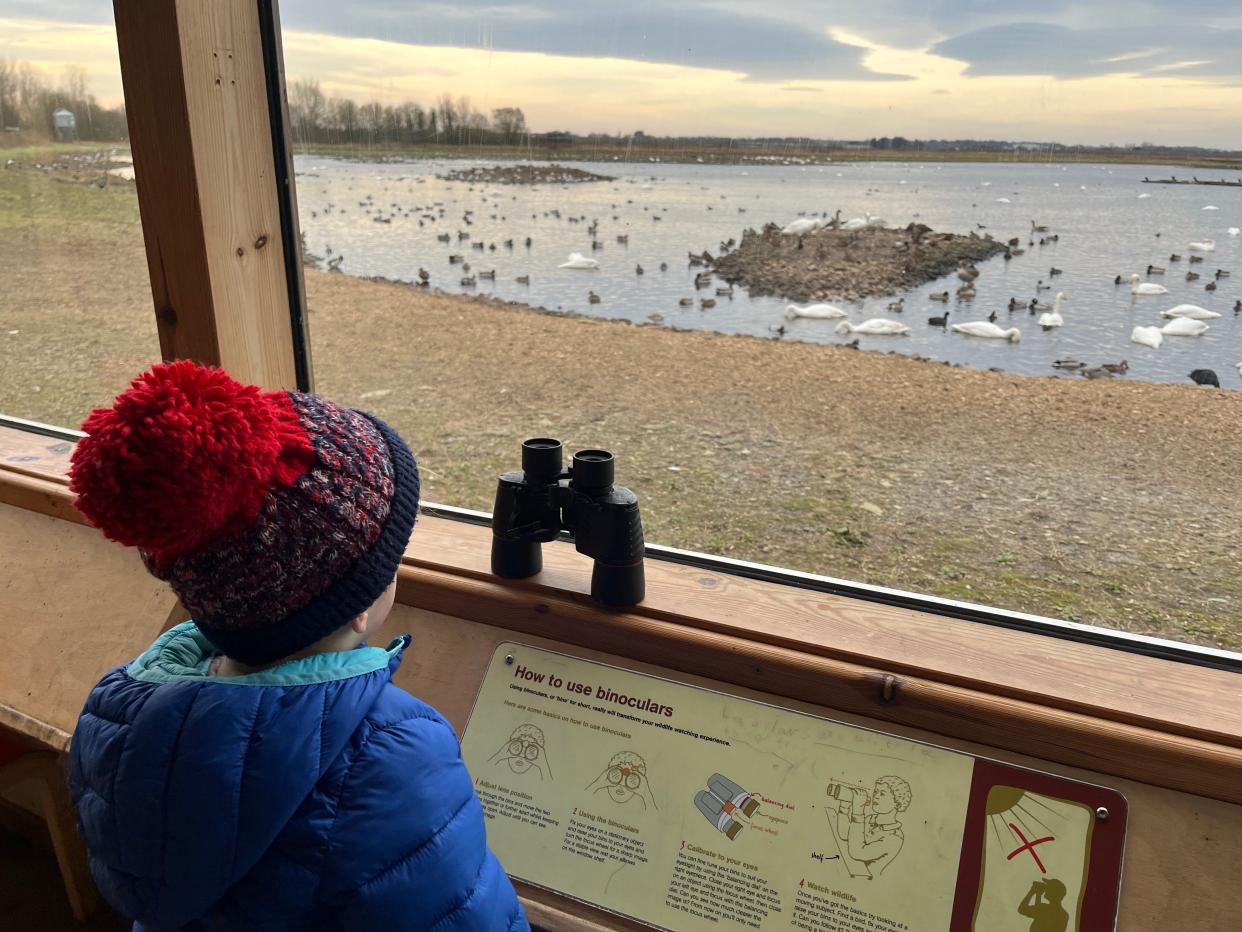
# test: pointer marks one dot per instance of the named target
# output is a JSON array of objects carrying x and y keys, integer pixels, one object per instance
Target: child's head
[{"x": 279, "y": 518}]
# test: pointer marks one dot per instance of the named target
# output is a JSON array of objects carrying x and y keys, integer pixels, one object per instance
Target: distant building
[{"x": 64, "y": 125}]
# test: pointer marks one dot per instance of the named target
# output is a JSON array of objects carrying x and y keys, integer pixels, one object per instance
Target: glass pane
[
  {"x": 76, "y": 320},
  {"x": 816, "y": 310}
]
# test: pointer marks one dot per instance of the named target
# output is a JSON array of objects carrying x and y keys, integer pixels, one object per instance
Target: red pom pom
[{"x": 184, "y": 457}]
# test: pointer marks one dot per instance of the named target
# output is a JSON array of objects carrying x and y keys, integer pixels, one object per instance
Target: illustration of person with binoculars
[
  {"x": 624, "y": 780},
  {"x": 865, "y": 824},
  {"x": 525, "y": 751},
  {"x": 1043, "y": 906}
]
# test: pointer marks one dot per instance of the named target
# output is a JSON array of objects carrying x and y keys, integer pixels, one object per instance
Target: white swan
[
  {"x": 1210, "y": 207},
  {"x": 802, "y": 226},
  {"x": 1193, "y": 311},
  {"x": 1147, "y": 336},
  {"x": 1053, "y": 318},
  {"x": 1204, "y": 245},
  {"x": 578, "y": 261},
  {"x": 854, "y": 223},
  {"x": 1002, "y": 200},
  {"x": 1143, "y": 196},
  {"x": 1145, "y": 287},
  {"x": 818, "y": 311},
  {"x": 877, "y": 326},
  {"x": 1235, "y": 231},
  {"x": 1184, "y": 327},
  {"x": 984, "y": 328}
]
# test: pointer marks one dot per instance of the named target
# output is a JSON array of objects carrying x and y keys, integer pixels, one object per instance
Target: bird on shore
[
  {"x": 779, "y": 330},
  {"x": 1137, "y": 286},
  {"x": 424, "y": 275},
  {"x": 941, "y": 321},
  {"x": 966, "y": 271},
  {"x": 988, "y": 330},
  {"x": 1204, "y": 377},
  {"x": 877, "y": 326}
]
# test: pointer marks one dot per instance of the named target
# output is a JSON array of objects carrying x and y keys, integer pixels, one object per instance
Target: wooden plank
[
  {"x": 1181, "y": 849},
  {"x": 168, "y": 195},
  {"x": 1154, "y": 755},
  {"x": 226, "y": 99},
  {"x": 196, "y": 99}
]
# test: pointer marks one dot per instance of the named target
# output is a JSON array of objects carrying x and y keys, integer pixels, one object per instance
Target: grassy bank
[
  {"x": 598, "y": 152},
  {"x": 1106, "y": 502}
]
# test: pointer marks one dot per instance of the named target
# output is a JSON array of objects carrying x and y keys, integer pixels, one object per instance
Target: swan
[
  {"x": 1210, "y": 207},
  {"x": 1204, "y": 245},
  {"x": 984, "y": 328},
  {"x": 1235, "y": 231},
  {"x": 819, "y": 311},
  {"x": 1193, "y": 311},
  {"x": 1053, "y": 317},
  {"x": 1184, "y": 327},
  {"x": 854, "y": 223},
  {"x": 1144, "y": 196},
  {"x": 877, "y": 326},
  {"x": 802, "y": 226},
  {"x": 578, "y": 261},
  {"x": 1145, "y": 287},
  {"x": 1147, "y": 336},
  {"x": 1003, "y": 200}
]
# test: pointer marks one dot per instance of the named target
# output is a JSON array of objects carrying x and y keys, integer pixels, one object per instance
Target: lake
[{"x": 1105, "y": 228}]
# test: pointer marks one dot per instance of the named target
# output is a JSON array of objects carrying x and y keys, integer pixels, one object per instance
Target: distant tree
[
  {"x": 509, "y": 122},
  {"x": 308, "y": 110},
  {"x": 446, "y": 110}
]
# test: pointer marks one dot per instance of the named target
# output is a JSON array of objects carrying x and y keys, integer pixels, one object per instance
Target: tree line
[
  {"x": 28, "y": 99},
  {"x": 315, "y": 117}
]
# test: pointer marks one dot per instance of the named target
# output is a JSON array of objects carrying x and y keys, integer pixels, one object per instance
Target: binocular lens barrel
[
  {"x": 593, "y": 470},
  {"x": 541, "y": 459}
]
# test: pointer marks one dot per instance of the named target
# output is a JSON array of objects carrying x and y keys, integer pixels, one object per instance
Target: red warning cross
[{"x": 1028, "y": 846}]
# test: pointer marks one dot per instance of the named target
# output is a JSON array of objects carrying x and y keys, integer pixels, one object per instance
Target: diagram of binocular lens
[{"x": 722, "y": 802}]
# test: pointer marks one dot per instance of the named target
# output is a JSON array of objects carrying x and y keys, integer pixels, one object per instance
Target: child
[{"x": 255, "y": 768}]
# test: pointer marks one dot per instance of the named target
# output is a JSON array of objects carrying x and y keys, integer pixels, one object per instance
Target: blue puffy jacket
[{"x": 313, "y": 795}]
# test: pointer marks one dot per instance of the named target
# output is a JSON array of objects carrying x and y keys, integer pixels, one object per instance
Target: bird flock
[{"x": 468, "y": 253}]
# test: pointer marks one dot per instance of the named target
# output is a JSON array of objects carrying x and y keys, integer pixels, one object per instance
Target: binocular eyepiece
[{"x": 534, "y": 504}]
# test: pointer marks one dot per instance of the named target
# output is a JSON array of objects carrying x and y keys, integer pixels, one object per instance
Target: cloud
[
  {"x": 691, "y": 33},
  {"x": 1030, "y": 48}
]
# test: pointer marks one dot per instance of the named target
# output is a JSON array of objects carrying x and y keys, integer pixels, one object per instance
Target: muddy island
[
  {"x": 849, "y": 265},
  {"x": 523, "y": 173}
]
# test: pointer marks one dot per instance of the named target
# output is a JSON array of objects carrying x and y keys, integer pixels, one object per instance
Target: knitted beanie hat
[{"x": 276, "y": 517}]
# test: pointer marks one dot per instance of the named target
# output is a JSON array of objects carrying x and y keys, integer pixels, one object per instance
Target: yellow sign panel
[{"x": 690, "y": 809}]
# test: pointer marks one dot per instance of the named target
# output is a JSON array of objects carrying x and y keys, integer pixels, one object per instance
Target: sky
[{"x": 1073, "y": 71}]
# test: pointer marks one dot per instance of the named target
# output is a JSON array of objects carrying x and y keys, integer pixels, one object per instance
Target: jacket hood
[{"x": 182, "y": 780}]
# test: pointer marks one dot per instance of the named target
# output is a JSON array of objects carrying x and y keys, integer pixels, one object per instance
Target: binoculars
[{"x": 534, "y": 504}]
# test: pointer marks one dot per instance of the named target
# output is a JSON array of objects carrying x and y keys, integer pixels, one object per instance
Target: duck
[
  {"x": 1037, "y": 305},
  {"x": 577, "y": 260},
  {"x": 1014, "y": 304},
  {"x": 818, "y": 311},
  {"x": 1203, "y": 245},
  {"x": 468, "y": 281},
  {"x": 656, "y": 318},
  {"x": 523, "y": 279},
  {"x": 1098, "y": 372},
  {"x": 706, "y": 303},
  {"x": 454, "y": 259},
  {"x": 941, "y": 321},
  {"x": 1140, "y": 287},
  {"x": 1116, "y": 368},
  {"x": 1222, "y": 273},
  {"x": 1040, "y": 286},
  {"x": 992, "y": 317},
  {"x": 592, "y": 297},
  {"x": 966, "y": 292},
  {"x": 638, "y": 270},
  {"x": 967, "y": 272},
  {"x": 1053, "y": 318},
  {"x": 877, "y": 326},
  {"x": 1210, "y": 286},
  {"x": 686, "y": 302},
  {"x": 1196, "y": 259},
  {"x": 1068, "y": 363},
  {"x": 663, "y": 266},
  {"x": 1175, "y": 258},
  {"x": 939, "y": 296},
  {"x": 1184, "y": 327},
  {"x": 1192, "y": 276},
  {"x": 988, "y": 330},
  {"x": 725, "y": 292},
  {"x": 1193, "y": 311},
  {"x": 424, "y": 275},
  {"x": 1147, "y": 336},
  {"x": 1054, "y": 271},
  {"x": 1237, "y": 306},
  {"x": 896, "y": 307},
  {"x": 1204, "y": 377},
  {"x": 488, "y": 275},
  {"x": 1038, "y": 228},
  {"x": 1154, "y": 270}
]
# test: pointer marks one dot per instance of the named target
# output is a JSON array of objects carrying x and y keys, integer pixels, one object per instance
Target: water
[{"x": 1105, "y": 229}]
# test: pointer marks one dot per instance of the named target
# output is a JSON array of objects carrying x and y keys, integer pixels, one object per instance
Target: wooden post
[{"x": 200, "y": 130}]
